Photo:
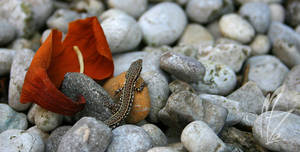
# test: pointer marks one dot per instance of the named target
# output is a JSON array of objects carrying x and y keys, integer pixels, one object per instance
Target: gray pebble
[
  {"x": 60, "y": 19},
  {"x": 39, "y": 132},
  {"x": 267, "y": 72},
  {"x": 179, "y": 147},
  {"x": 247, "y": 121},
  {"x": 46, "y": 120},
  {"x": 19, "y": 140},
  {"x": 197, "y": 136},
  {"x": 182, "y": 67},
  {"x": 161, "y": 149},
  {"x": 87, "y": 134},
  {"x": 92, "y": 7},
  {"x": 76, "y": 84},
  {"x": 286, "y": 52},
  {"x": 293, "y": 12},
  {"x": 9, "y": 119},
  {"x": 258, "y": 13},
  {"x": 277, "y": 12},
  {"x": 177, "y": 86},
  {"x": 130, "y": 138},
  {"x": 186, "y": 49},
  {"x": 41, "y": 9},
  {"x": 157, "y": 136},
  {"x": 278, "y": 131},
  {"x": 265, "y": 1},
  {"x": 6, "y": 59},
  {"x": 19, "y": 67},
  {"x": 260, "y": 45},
  {"x": 132, "y": 7},
  {"x": 7, "y": 32},
  {"x": 250, "y": 97},
  {"x": 52, "y": 143}
]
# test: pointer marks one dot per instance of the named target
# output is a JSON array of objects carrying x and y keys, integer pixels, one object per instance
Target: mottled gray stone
[
  {"x": 9, "y": 119},
  {"x": 52, "y": 143},
  {"x": 87, "y": 134},
  {"x": 247, "y": 121},
  {"x": 182, "y": 67},
  {"x": 92, "y": 7},
  {"x": 258, "y": 13},
  {"x": 286, "y": 52},
  {"x": 179, "y": 147},
  {"x": 162, "y": 149},
  {"x": 19, "y": 140},
  {"x": 19, "y": 67},
  {"x": 157, "y": 136},
  {"x": 38, "y": 132},
  {"x": 250, "y": 97},
  {"x": 76, "y": 84},
  {"x": 7, "y": 32},
  {"x": 197, "y": 136},
  {"x": 260, "y": 45},
  {"x": 185, "y": 49},
  {"x": 293, "y": 12},
  {"x": 278, "y": 131},
  {"x": 6, "y": 59},
  {"x": 177, "y": 86},
  {"x": 46, "y": 120},
  {"x": 130, "y": 138}
]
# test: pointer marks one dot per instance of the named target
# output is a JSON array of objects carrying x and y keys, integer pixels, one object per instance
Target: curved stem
[{"x": 80, "y": 58}]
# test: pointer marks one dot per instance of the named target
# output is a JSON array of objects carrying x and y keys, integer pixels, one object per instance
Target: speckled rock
[
  {"x": 130, "y": 138},
  {"x": 21, "y": 43},
  {"x": 87, "y": 134},
  {"x": 196, "y": 35},
  {"x": 60, "y": 19},
  {"x": 232, "y": 55},
  {"x": 162, "y": 149},
  {"x": 219, "y": 79},
  {"x": 182, "y": 67},
  {"x": 7, "y": 32},
  {"x": 92, "y": 7},
  {"x": 235, "y": 27},
  {"x": 186, "y": 49},
  {"x": 162, "y": 24},
  {"x": 76, "y": 84},
  {"x": 286, "y": 52},
  {"x": 177, "y": 86},
  {"x": 9, "y": 119},
  {"x": 46, "y": 120},
  {"x": 121, "y": 30},
  {"x": 197, "y": 136},
  {"x": 19, "y": 67},
  {"x": 292, "y": 12},
  {"x": 266, "y": 71},
  {"x": 250, "y": 97},
  {"x": 203, "y": 11},
  {"x": 157, "y": 136},
  {"x": 260, "y": 45},
  {"x": 258, "y": 13},
  {"x": 19, "y": 140},
  {"x": 184, "y": 107},
  {"x": 134, "y": 8},
  {"x": 6, "y": 59},
  {"x": 278, "y": 131},
  {"x": 39, "y": 132},
  {"x": 234, "y": 108},
  {"x": 277, "y": 12},
  {"x": 52, "y": 143},
  {"x": 247, "y": 121}
]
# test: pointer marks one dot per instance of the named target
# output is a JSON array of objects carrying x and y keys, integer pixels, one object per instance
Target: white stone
[
  {"x": 92, "y": 7},
  {"x": 7, "y": 32},
  {"x": 286, "y": 52},
  {"x": 277, "y": 12},
  {"x": 260, "y": 45},
  {"x": 163, "y": 24},
  {"x": 235, "y": 27},
  {"x": 214, "y": 29},
  {"x": 135, "y": 8},
  {"x": 47, "y": 120},
  {"x": 157, "y": 136},
  {"x": 9, "y": 119},
  {"x": 60, "y": 19}
]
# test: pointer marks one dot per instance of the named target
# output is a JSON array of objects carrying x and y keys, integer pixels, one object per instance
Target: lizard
[{"x": 122, "y": 109}]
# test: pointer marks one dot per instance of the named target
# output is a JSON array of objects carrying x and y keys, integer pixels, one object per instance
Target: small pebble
[
  {"x": 197, "y": 136},
  {"x": 60, "y": 19},
  {"x": 19, "y": 67},
  {"x": 277, "y": 12},
  {"x": 47, "y": 120},
  {"x": 92, "y": 7},
  {"x": 286, "y": 52},
  {"x": 214, "y": 29},
  {"x": 41, "y": 9},
  {"x": 7, "y": 32},
  {"x": 19, "y": 140},
  {"x": 163, "y": 24},
  {"x": 52, "y": 143},
  {"x": 182, "y": 67},
  {"x": 235, "y": 27},
  {"x": 132, "y": 7},
  {"x": 260, "y": 45},
  {"x": 293, "y": 12},
  {"x": 6, "y": 59},
  {"x": 157, "y": 136},
  {"x": 258, "y": 13},
  {"x": 130, "y": 138},
  {"x": 9, "y": 119},
  {"x": 177, "y": 86},
  {"x": 87, "y": 134},
  {"x": 161, "y": 149}
]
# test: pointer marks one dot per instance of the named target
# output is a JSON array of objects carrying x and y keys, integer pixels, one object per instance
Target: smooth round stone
[
  {"x": 231, "y": 55},
  {"x": 218, "y": 79},
  {"x": 203, "y": 11},
  {"x": 184, "y": 107},
  {"x": 52, "y": 143},
  {"x": 196, "y": 35},
  {"x": 87, "y": 134},
  {"x": 235, "y": 27},
  {"x": 121, "y": 30},
  {"x": 214, "y": 29},
  {"x": 177, "y": 86},
  {"x": 6, "y": 59},
  {"x": 278, "y": 131},
  {"x": 60, "y": 19},
  {"x": 157, "y": 136},
  {"x": 163, "y": 24},
  {"x": 265, "y": 1},
  {"x": 162, "y": 149},
  {"x": 281, "y": 31},
  {"x": 277, "y": 12},
  {"x": 293, "y": 12},
  {"x": 130, "y": 138},
  {"x": 260, "y": 45},
  {"x": 41, "y": 9},
  {"x": 182, "y": 67},
  {"x": 7, "y": 32},
  {"x": 9, "y": 119},
  {"x": 186, "y": 49},
  {"x": 19, "y": 140},
  {"x": 180, "y": 2},
  {"x": 47, "y": 120},
  {"x": 286, "y": 52},
  {"x": 19, "y": 67},
  {"x": 39, "y": 132},
  {"x": 21, "y": 43},
  {"x": 179, "y": 147},
  {"x": 134, "y": 8},
  {"x": 197, "y": 136},
  {"x": 92, "y": 7},
  {"x": 267, "y": 71},
  {"x": 258, "y": 13}
]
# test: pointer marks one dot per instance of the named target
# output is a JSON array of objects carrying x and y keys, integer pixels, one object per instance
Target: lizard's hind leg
[{"x": 114, "y": 107}]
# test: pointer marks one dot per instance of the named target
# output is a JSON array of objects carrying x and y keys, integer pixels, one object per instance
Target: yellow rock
[{"x": 141, "y": 102}]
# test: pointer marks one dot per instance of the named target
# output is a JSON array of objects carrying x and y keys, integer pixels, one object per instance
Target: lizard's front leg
[{"x": 140, "y": 85}]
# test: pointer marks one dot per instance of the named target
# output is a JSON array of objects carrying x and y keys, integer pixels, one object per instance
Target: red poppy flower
[{"x": 56, "y": 57}]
